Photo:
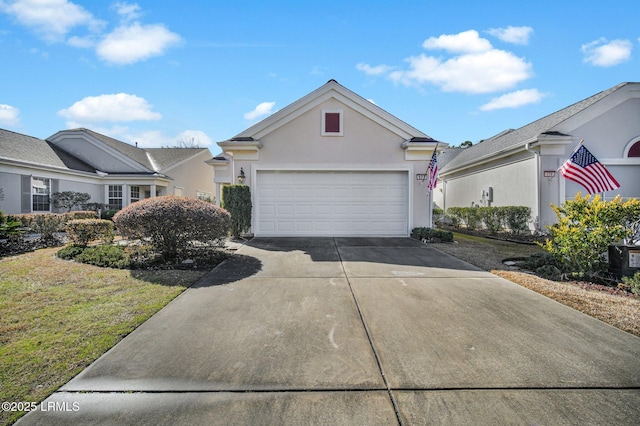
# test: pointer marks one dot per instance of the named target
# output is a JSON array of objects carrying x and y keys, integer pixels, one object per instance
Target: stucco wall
[
  {"x": 193, "y": 176},
  {"x": 513, "y": 185},
  {"x": 365, "y": 145}
]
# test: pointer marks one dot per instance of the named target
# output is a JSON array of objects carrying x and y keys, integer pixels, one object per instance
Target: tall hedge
[
  {"x": 172, "y": 223},
  {"x": 236, "y": 199}
]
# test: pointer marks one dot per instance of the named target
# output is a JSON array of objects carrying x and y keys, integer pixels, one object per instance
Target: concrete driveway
[{"x": 357, "y": 331}]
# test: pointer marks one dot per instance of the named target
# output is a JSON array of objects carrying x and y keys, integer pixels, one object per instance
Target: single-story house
[
  {"x": 111, "y": 171},
  {"x": 521, "y": 167},
  {"x": 331, "y": 163}
]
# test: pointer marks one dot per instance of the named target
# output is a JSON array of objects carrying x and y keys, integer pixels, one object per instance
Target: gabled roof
[
  {"x": 30, "y": 150},
  {"x": 137, "y": 154},
  {"x": 143, "y": 160},
  {"x": 167, "y": 158},
  {"x": 332, "y": 89},
  {"x": 510, "y": 139},
  {"x": 27, "y": 149}
]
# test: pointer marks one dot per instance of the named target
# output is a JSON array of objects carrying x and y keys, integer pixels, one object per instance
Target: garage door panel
[{"x": 331, "y": 203}]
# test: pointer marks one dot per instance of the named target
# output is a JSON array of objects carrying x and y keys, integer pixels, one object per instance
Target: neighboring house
[
  {"x": 331, "y": 163},
  {"x": 111, "y": 171},
  {"x": 520, "y": 167}
]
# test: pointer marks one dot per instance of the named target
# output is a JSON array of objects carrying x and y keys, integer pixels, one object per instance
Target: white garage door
[{"x": 331, "y": 203}]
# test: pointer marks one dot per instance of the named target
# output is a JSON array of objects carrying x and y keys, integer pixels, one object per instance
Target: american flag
[
  {"x": 582, "y": 167},
  {"x": 432, "y": 171}
]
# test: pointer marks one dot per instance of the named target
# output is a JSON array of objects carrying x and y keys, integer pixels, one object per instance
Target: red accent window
[
  {"x": 332, "y": 122},
  {"x": 635, "y": 150}
]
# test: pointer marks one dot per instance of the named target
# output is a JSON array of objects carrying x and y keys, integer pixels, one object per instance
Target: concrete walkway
[{"x": 346, "y": 331}]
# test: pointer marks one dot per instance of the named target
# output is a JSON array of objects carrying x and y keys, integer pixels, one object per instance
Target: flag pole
[{"x": 572, "y": 152}]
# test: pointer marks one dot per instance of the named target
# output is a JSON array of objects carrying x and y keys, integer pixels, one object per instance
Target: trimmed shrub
[
  {"x": 69, "y": 252},
  {"x": 172, "y": 223},
  {"x": 236, "y": 199},
  {"x": 517, "y": 218},
  {"x": 492, "y": 218},
  {"x": 106, "y": 256},
  {"x": 108, "y": 214},
  {"x": 432, "y": 235},
  {"x": 454, "y": 214},
  {"x": 82, "y": 231},
  {"x": 47, "y": 225},
  {"x": 80, "y": 214}
]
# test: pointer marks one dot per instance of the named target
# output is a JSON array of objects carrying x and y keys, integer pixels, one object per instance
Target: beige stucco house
[
  {"x": 331, "y": 163},
  {"x": 520, "y": 167},
  {"x": 111, "y": 171}
]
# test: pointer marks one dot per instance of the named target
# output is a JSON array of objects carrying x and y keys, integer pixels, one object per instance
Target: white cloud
[
  {"x": 376, "y": 70},
  {"x": 199, "y": 137},
  {"x": 265, "y": 108},
  {"x": 119, "y": 107},
  {"x": 51, "y": 19},
  {"x": 9, "y": 115},
  {"x": 514, "y": 100},
  {"x": 128, "y": 11},
  {"x": 606, "y": 54},
  {"x": 464, "y": 42},
  {"x": 485, "y": 72},
  {"x": 128, "y": 44},
  {"x": 515, "y": 35},
  {"x": 474, "y": 66}
]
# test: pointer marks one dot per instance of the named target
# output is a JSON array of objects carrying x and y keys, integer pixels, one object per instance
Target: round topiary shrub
[{"x": 172, "y": 223}]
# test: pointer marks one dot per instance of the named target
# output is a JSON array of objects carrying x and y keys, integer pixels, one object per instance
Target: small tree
[
  {"x": 172, "y": 223},
  {"x": 236, "y": 199},
  {"x": 69, "y": 199}
]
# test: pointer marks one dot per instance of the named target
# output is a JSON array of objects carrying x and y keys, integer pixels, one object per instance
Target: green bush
[
  {"x": 438, "y": 216},
  {"x": 633, "y": 282},
  {"x": 514, "y": 219},
  {"x": 108, "y": 214},
  {"x": 236, "y": 199},
  {"x": 69, "y": 252},
  {"x": 172, "y": 223},
  {"x": 430, "y": 234},
  {"x": 47, "y": 225},
  {"x": 82, "y": 231},
  {"x": 492, "y": 218},
  {"x": 585, "y": 229},
  {"x": 517, "y": 218},
  {"x": 106, "y": 256},
  {"x": 9, "y": 227}
]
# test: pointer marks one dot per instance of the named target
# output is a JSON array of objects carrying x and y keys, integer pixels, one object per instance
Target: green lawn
[{"x": 56, "y": 317}]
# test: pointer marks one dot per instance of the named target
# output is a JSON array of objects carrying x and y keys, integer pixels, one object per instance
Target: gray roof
[
  {"x": 168, "y": 157},
  {"x": 133, "y": 152},
  {"x": 27, "y": 149},
  {"x": 512, "y": 138}
]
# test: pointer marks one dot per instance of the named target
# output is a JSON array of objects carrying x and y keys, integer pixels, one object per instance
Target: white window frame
[
  {"x": 47, "y": 186},
  {"x": 115, "y": 197},
  {"x": 340, "y": 112},
  {"x": 134, "y": 197}
]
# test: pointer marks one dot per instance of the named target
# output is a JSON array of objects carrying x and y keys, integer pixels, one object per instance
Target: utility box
[
  {"x": 624, "y": 260},
  {"x": 487, "y": 193}
]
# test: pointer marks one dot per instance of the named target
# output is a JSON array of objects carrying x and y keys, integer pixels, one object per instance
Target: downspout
[{"x": 537, "y": 157}]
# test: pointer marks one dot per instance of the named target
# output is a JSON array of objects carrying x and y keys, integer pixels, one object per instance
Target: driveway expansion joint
[{"x": 396, "y": 408}]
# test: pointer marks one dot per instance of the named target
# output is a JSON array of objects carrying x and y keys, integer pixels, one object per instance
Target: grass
[
  {"x": 620, "y": 311},
  {"x": 59, "y": 316}
]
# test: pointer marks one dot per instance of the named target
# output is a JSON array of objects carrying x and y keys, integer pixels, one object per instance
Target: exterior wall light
[{"x": 241, "y": 176}]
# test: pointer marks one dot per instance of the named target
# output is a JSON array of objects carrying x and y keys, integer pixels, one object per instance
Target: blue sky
[{"x": 160, "y": 72}]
